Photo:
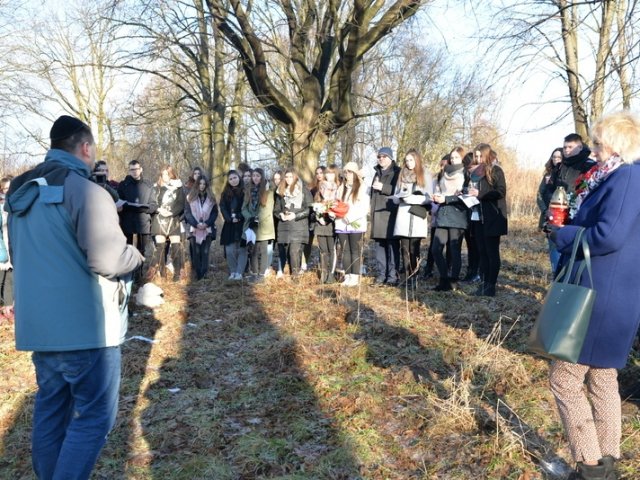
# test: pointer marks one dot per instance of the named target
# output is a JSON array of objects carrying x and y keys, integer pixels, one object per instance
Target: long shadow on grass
[
  {"x": 396, "y": 348},
  {"x": 119, "y": 454},
  {"x": 15, "y": 444},
  {"x": 235, "y": 404}
]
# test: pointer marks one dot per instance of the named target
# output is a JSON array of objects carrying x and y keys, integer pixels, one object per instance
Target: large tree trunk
[
  {"x": 307, "y": 144},
  {"x": 220, "y": 160}
]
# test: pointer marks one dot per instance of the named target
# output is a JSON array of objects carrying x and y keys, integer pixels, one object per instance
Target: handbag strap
[
  {"x": 579, "y": 241},
  {"x": 586, "y": 252},
  {"x": 567, "y": 269}
]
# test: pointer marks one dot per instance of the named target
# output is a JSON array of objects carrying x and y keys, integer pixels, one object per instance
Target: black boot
[
  {"x": 589, "y": 472},
  {"x": 486, "y": 290},
  {"x": 609, "y": 463},
  {"x": 444, "y": 285},
  {"x": 156, "y": 262},
  {"x": 176, "y": 259}
]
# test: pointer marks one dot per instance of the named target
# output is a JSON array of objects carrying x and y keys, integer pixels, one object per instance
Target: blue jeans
[{"x": 75, "y": 408}]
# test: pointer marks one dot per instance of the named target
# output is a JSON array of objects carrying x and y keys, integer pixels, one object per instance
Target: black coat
[
  {"x": 232, "y": 232},
  {"x": 570, "y": 168},
  {"x": 293, "y": 230},
  {"x": 383, "y": 210},
  {"x": 136, "y": 219},
  {"x": 493, "y": 204}
]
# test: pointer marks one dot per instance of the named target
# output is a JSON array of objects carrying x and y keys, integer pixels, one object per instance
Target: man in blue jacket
[{"x": 71, "y": 263}]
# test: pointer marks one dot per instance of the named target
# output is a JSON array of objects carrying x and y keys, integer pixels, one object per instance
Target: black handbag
[
  {"x": 419, "y": 211},
  {"x": 563, "y": 321}
]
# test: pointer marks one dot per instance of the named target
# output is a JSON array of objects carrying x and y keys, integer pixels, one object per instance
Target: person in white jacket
[
  {"x": 413, "y": 197},
  {"x": 351, "y": 228}
]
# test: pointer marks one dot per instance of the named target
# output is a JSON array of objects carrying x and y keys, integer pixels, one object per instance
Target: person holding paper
[{"x": 137, "y": 207}]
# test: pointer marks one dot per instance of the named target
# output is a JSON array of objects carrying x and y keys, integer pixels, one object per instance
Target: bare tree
[
  {"x": 62, "y": 64},
  {"x": 322, "y": 44},
  {"x": 582, "y": 43},
  {"x": 178, "y": 43}
]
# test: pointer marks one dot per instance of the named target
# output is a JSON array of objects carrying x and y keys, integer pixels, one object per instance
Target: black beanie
[{"x": 64, "y": 127}]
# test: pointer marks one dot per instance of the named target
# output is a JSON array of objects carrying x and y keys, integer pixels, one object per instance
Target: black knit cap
[{"x": 64, "y": 127}]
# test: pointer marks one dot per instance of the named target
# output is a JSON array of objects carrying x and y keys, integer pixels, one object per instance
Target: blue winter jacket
[
  {"x": 70, "y": 259},
  {"x": 611, "y": 217}
]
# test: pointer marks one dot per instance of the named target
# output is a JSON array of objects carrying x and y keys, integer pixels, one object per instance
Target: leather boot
[
  {"x": 609, "y": 463},
  {"x": 154, "y": 263},
  {"x": 444, "y": 285},
  {"x": 589, "y": 472},
  {"x": 486, "y": 290},
  {"x": 176, "y": 259}
]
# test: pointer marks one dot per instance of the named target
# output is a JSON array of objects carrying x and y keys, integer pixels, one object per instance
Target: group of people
[
  {"x": 77, "y": 240},
  {"x": 403, "y": 205}
]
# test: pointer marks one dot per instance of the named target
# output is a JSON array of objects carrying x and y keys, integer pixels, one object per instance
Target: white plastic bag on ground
[{"x": 149, "y": 295}]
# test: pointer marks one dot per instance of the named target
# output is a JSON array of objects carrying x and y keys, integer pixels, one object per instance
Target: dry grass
[{"x": 293, "y": 380}]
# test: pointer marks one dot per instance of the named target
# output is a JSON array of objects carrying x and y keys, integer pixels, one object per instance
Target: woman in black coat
[
  {"x": 165, "y": 225},
  {"x": 292, "y": 204},
  {"x": 487, "y": 182},
  {"x": 231, "y": 235}
]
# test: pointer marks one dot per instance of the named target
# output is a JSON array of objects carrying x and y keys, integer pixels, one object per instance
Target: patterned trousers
[{"x": 593, "y": 419}]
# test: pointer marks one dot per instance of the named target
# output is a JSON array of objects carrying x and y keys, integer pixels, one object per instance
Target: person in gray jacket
[{"x": 72, "y": 265}]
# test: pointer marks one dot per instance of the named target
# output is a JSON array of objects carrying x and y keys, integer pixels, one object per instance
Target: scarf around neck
[
  {"x": 201, "y": 212},
  {"x": 408, "y": 176},
  {"x": 590, "y": 181},
  {"x": 452, "y": 179}
]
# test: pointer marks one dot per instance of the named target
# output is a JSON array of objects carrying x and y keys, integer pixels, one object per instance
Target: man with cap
[
  {"x": 383, "y": 218},
  {"x": 72, "y": 264}
]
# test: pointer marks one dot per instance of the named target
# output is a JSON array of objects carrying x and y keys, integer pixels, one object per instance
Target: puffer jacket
[{"x": 409, "y": 225}]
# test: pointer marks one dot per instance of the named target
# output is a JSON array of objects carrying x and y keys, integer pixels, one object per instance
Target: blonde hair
[{"x": 619, "y": 132}]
